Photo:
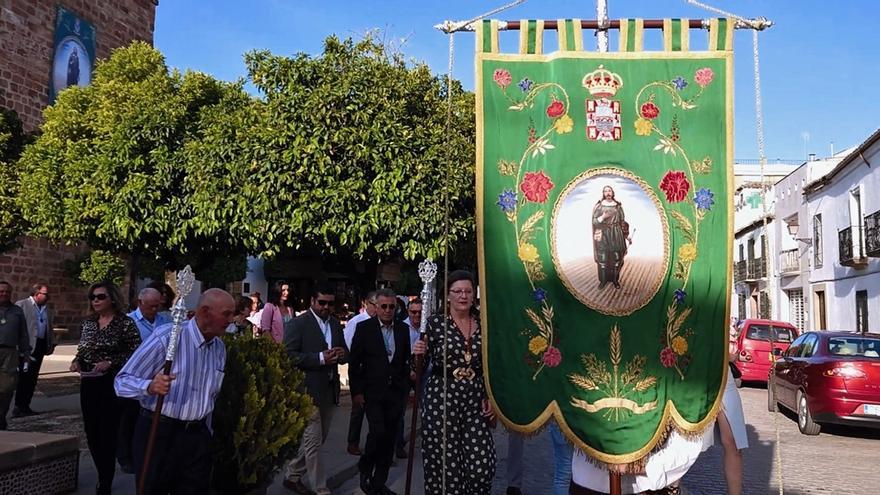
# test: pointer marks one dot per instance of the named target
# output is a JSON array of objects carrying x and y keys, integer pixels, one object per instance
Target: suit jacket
[
  {"x": 305, "y": 342},
  {"x": 369, "y": 370},
  {"x": 30, "y": 315}
]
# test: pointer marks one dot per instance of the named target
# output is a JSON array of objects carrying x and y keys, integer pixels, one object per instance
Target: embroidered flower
[
  {"x": 539, "y": 294},
  {"x": 643, "y": 127},
  {"x": 556, "y": 109},
  {"x": 502, "y": 78},
  {"x": 525, "y": 84},
  {"x": 675, "y": 185},
  {"x": 704, "y": 76},
  {"x": 687, "y": 252},
  {"x": 680, "y": 294},
  {"x": 679, "y": 83},
  {"x": 704, "y": 199},
  {"x": 537, "y": 345},
  {"x": 667, "y": 357},
  {"x": 536, "y": 186},
  {"x": 540, "y": 146},
  {"x": 552, "y": 357},
  {"x": 679, "y": 345},
  {"x": 649, "y": 110},
  {"x": 507, "y": 200},
  {"x": 528, "y": 252},
  {"x": 564, "y": 124}
]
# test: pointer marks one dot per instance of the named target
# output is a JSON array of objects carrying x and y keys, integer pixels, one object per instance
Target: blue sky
[{"x": 819, "y": 63}]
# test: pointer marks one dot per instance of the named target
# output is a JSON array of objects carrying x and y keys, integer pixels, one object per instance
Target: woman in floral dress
[{"x": 465, "y": 426}]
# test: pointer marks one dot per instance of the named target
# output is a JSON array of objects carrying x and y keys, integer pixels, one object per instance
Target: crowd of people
[{"x": 120, "y": 360}]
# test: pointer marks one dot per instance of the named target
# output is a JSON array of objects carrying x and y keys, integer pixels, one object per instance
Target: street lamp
[{"x": 793, "y": 231}]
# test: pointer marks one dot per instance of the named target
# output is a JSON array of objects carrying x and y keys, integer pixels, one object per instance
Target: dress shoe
[
  {"x": 353, "y": 449},
  {"x": 383, "y": 490},
  {"x": 367, "y": 484},
  {"x": 401, "y": 453},
  {"x": 616, "y": 285},
  {"x": 512, "y": 490},
  {"x": 297, "y": 487},
  {"x": 20, "y": 412}
]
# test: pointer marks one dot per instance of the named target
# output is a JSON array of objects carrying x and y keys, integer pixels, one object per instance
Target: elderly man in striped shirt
[{"x": 181, "y": 461}]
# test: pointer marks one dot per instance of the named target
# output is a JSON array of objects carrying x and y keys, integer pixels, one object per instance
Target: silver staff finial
[{"x": 185, "y": 281}]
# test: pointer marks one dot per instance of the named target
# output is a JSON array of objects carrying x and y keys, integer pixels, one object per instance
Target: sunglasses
[
  {"x": 322, "y": 302},
  {"x": 387, "y": 306},
  {"x": 99, "y": 297}
]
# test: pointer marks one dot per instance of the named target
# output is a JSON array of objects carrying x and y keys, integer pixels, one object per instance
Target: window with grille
[
  {"x": 796, "y": 308},
  {"x": 862, "y": 311},
  {"x": 741, "y": 305},
  {"x": 764, "y": 305},
  {"x": 817, "y": 240}
]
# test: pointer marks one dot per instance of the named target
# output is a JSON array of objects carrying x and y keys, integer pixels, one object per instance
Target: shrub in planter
[{"x": 259, "y": 415}]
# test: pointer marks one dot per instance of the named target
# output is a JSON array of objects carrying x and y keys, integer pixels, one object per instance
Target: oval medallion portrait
[{"x": 610, "y": 240}]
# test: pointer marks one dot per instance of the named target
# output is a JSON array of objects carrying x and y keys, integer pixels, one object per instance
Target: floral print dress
[{"x": 470, "y": 447}]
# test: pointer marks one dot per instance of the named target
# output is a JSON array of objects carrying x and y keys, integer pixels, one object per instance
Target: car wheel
[
  {"x": 772, "y": 405},
  {"x": 805, "y": 420}
]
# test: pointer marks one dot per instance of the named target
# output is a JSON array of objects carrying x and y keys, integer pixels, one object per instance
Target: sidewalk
[{"x": 62, "y": 414}]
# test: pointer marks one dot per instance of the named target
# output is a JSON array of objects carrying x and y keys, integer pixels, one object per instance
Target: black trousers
[
  {"x": 382, "y": 416},
  {"x": 101, "y": 411},
  {"x": 27, "y": 380},
  {"x": 130, "y": 410},
  {"x": 181, "y": 460},
  {"x": 355, "y": 423}
]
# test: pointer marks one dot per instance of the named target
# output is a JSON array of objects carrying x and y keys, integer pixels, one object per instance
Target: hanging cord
[
  {"x": 450, "y": 28},
  {"x": 762, "y": 160}
]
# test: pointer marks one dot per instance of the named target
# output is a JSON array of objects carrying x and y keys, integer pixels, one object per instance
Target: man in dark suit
[
  {"x": 315, "y": 343},
  {"x": 39, "y": 324},
  {"x": 379, "y": 374}
]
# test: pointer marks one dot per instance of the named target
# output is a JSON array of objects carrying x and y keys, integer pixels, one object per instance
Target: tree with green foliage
[
  {"x": 12, "y": 141},
  {"x": 117, "y": 164},
  {"x": 352, "y": 150}
]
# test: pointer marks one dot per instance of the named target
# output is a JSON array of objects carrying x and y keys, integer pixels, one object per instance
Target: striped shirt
[
  {"x": 198, "y": 365},
  {"x": 145, "y": 326}
]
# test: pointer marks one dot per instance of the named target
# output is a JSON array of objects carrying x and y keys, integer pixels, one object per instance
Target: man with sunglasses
[
  {"x": 316, "y": 345},
  {"x": 39, "y": 323},
  {"x": 380, "y": 379},
  {"x": 356, "y": 420}
]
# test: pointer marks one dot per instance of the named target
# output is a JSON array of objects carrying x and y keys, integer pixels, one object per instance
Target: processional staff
[
  {"x": 185, "y": 280},
  {"x": 427, "y": 272}
]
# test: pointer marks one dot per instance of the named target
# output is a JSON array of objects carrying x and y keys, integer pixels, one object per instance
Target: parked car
[
  {"x": 829, "y": 377},
  {"x": 754, "y": 345}
]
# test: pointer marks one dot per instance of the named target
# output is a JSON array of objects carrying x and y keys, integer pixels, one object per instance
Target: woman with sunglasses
[
  {"x": 107, "y": 340},
  {"x": 466, "y": 426}
]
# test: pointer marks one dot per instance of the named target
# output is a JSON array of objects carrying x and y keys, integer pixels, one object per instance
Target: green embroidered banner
[{"x": 605, "y": 234}]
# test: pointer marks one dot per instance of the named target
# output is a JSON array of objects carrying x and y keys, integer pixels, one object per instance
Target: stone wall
[
  {"x": 26, "y": 39},
  {"x": 26, "y": 35}
]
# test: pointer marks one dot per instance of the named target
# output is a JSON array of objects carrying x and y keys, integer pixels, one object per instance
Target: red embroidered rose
[
  {"x": 535, "y": 186},
  {"x": 667, "y": 357},
  {"x": 502, "y": 78},
  {"x": 675, "y": 185},
  {"x": 552, "y": 357},
  {"x": 704, "y": 76},
  {"x": 556, "y": 109},
  {"x": 650, "y": 110}
]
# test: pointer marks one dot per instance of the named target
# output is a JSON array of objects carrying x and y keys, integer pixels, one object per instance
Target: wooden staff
[
  {"x": 427, "y": 272},
  {"x": 185, "y": 279},
  {"x": 614, "y": 483}
]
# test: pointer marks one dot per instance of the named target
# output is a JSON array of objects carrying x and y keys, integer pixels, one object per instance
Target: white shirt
[
  {"x": 350, "y": 327},
  {"x": 324, "y": 325},
  {"x": 664, "y": 467},
  {"x": 414, "y": 333}
]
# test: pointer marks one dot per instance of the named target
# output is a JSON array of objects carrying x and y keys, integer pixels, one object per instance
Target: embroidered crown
[{"x": 602, "y": 82}]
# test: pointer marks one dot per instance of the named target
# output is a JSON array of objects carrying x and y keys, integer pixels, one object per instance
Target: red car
[
  {"x": 755, "y": 344},
  {"x": 829, "y": 377}
]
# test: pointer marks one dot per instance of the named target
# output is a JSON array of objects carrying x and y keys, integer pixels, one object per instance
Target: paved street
[{"x": 839, "y": 461}]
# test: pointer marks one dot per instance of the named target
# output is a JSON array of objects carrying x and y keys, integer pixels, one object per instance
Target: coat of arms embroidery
[{"x": 603, "y": 114}]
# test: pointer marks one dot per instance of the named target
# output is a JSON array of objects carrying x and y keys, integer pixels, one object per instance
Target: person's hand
[
  {"x": 74, "y": 366},
  {"x": 329, "y": 356},
  {"x": 358, "y": 401},
  {"x": 487, "y": 410},
  {"x": 629, "y": 240},
  {"x": 421, "y": 348},
  {"x": 102, "y": 366},
  {"x": 340, "y": 352},
  {"x": 412, "y": 376},
  {"x": 161, "y": 384}
]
